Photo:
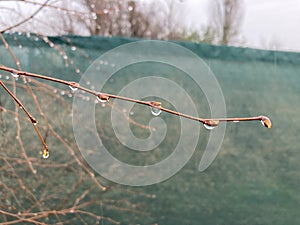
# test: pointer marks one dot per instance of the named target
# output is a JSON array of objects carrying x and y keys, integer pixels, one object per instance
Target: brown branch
[
  {"x": 32, "y": 119},
  {"x": 212, "y": 122}
]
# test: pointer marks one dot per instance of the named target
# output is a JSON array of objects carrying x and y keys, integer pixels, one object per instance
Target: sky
[
  {"x": 267, "y": 24},
  {"x": 272, "y": 24}
]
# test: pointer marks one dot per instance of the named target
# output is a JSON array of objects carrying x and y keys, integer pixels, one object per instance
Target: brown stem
[
  {"x": 32, "y": 119},
  {"x": 105, "y": 97}
]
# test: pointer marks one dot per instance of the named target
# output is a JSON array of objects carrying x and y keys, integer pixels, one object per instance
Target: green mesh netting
[{"x": 254, "y": 180}]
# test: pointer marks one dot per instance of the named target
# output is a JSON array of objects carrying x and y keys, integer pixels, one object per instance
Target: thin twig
[
  {"x": 32, "y": 119},
  {"x": 26, "y": 19},
  {"x": 212, "y": 122}
]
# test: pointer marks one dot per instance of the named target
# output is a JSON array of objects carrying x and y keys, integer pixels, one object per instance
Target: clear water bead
[
  {"x": 211, "y": 124},
  {"x": 155, "y": 111},
  {"x": 15, "y": 75},
  {"x": 208, "y": 127},
  {"x": 45, "y": 154},
  {"x": 73, "y": 88},
  {"x": 103, "y": 99}
]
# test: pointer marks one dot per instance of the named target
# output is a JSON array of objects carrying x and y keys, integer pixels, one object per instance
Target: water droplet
[
  {"x": 62, "y": 93},
  {"x": 105, "y": 11},
  {"x": 7, "y": 77},
  {"x": 73, "y": 48},
  {"x": 236, "y": 121},
  {"x": 15, "y": 75},
  {"x": 46, "y": 154},
  {"x": 130, "y": 8},
  {"x": 77, "y": 70},
  {"x": 208, "y": 127},
  {"x": 102, "y": 98},
  {"x": 155, "y": 111},
  {"x": 73, "y": 88},
  {"x": 211, "y": 124},
  {"x": 265, "y": 121},
  {"x": 65, "y": 57}
]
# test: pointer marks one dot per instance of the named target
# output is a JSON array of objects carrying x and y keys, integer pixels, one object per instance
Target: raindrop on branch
[
  {"x": 155, "y": 111},
  {"x": 265, "y": 121},
  {"x": 211, "y": 124},
  {"x": 155, "y": 108},
  {"x": 45, "y": 154},
  {"x": 102, "y": 98},
  {"x": 73, "y": 88},
  {"x": 15, "y": 75}
]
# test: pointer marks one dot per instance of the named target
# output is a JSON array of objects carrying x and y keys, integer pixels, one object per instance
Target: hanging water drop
[
  {"x": 102, "y": 98},
  {"x": 73, "y": 88},
  {"x": 155, "y": 108},
  {"x": 155, "y": 111},
  {"x": 211, "y": 124},
  {"x": 236, "y": 121},
  {"x": 208, "y": 127},
  {"x": 45, "y": 154},
  {"x": 15, "y": 74},
  {"x": 265, "y": 121}
]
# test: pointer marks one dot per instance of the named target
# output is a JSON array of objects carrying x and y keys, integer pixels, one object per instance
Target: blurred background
[
  {"x": 264, "y": 24},
  {"x": 251, "y": 46}
]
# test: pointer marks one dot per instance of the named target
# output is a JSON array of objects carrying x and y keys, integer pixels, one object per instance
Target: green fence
[{"x": 254, "y": 180}]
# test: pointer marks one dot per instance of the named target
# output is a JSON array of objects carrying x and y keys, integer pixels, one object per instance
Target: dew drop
[
  {"x": 211, "y": 124},
  {"x": 236, "y": 121},
  {"x": 45, "y": 154},
  {"x": 102, "y": 98},
  {"x": 155, "y": 111},
  {"x": 73, "y": 48},
  {"x": 73, "y": 88},
  {"x": 15, "y": 75},
  {"x": 265, "y": 121},
  {"x": 208, "y": 127}
]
